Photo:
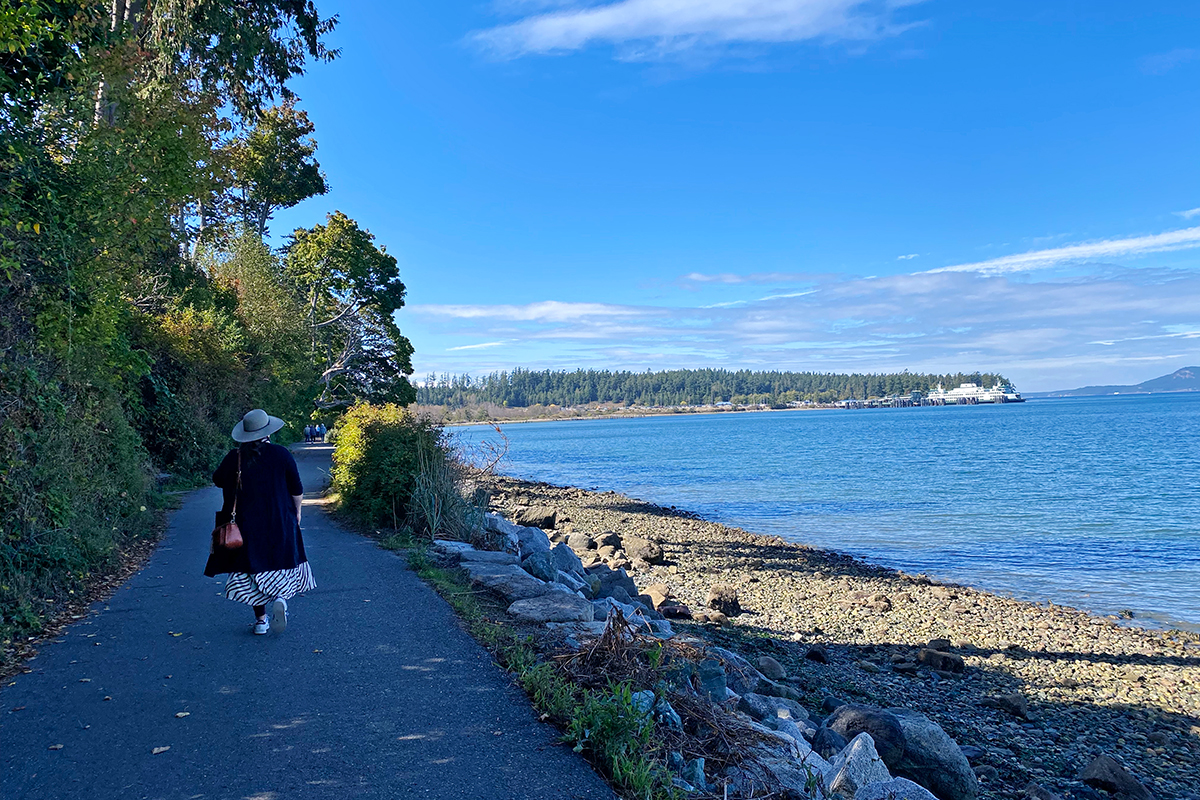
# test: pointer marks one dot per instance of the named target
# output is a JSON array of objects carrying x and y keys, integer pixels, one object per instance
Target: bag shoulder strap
[{"x": 238, "y": 487}]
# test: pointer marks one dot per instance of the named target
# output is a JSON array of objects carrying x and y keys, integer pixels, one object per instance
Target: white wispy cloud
[
  {"x": 546, "y": 311},
  {"x": 1162, "y": 63},
  {"x": 1189, "y": 214},
  {"x": 655, "y": 28},
  {"x": 480, "y": 346},
  {"x": 1184, "y": 239},
  {"x": 908, "y": 257}
]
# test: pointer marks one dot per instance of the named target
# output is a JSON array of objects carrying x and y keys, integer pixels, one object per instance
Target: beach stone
[
  {"x": 932, "y": 759},
  {"x": 489, "y": 557},
  {"x": 828, "y": 742},
  {"x": 580, "y": 542},
  {"x": 724, "y": 598},
  {"x": 537, "y": 517},
  {"x": 1106, "y": 773},
  {"x": 1035, "y": 791},
  {"x": 763, "y": 707},
  {"x": 658, "y": 594},
  {"x": 939, "y": 644},
  {"x": 771, "y": 668},
  {"x": 888, "y": 735},
  {"x": 856, "y": 766},
  {"x": 565, "y": 558},
  {"x": 741, "y": 675},
  {"x": 829, "y": 703},
  {"x": 646, "y": 550},
  {"x": 607, "y": 551},
  {"x": 532, "y": 540},
  {"x": 609, "y": 539},
  {"x": 818, "y": 654},
  {"x": 540, "y": 565},
  {"x": 712, "y": 679},
  {"x": 895, "y": 789},
  {"x": 971, "y": 752},
  {"x": 938, "y": 660},
  {"x": 675, "y": 611},
  {"x": 717, "y": 618},
  {"x": 553, "y": 607},
  {"x": 1013, "y": 702},
  {"x": 665, "y": 714},
  {"x": 508, "y": 580}
]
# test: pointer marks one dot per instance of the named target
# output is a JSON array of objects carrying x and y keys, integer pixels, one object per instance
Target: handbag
[{"x": 228, "y": 536}]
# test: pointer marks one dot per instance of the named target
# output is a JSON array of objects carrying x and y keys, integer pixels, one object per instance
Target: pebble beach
[{"x": 1034, "y": 692}]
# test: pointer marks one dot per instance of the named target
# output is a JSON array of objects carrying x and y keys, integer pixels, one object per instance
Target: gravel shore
[{"x": 1092, "y": 686}]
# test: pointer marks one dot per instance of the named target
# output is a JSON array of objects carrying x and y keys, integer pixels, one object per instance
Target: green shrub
[{"x": 377, "y": 461}]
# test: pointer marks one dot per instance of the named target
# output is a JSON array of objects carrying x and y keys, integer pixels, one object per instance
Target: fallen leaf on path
[
  {"x": 107, "y": 697},
  {"x": 56, "y": 747},
  {"x": 85, "y": 680},
  {"x": 176, "y": 634},
  {"x": 19, "y": 708},
  {"x": 318, "y": 651},
  {"x": 182, "y": 714},
  {"x": 158, "y": 750}
]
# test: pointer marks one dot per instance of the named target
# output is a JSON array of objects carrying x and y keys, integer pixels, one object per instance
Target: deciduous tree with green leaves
[{"x": 352, "y": 289}]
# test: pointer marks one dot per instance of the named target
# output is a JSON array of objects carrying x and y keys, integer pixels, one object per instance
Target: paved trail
[{"x": 373, "y": 691}]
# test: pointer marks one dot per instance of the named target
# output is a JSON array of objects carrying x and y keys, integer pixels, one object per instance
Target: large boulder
[
  {"x": 572, "y": 582},
  {"x": 508, "y": 580},
  {"x": 451, "y": 548},
  {"x": 489, "y": 557},
  {"x": 828, "y": 742},
  {"x": 608, "y": 539},
  {"x": 885, "y": 729},
  {"x": 932, "y": 759},
  {"x": 778, "y": 760},
  {"x": 565, "y": 558},
  {"x": 854, "y": 767},
  {"x": 537, "y": 517},
  {"x": 540, "y": 565},
  {"x": 644, "y": 549},
  {"x": 553, "y": 607},
  {"x": 505, "y": 529},
  {"x": 532, "y": 540},
  {"x": 936, "y": 659},
  {"x": 741, "y": 676},
  {"x": 1106, "y": 773},
  {"x": 895, "y": 789},
  {"x": 580, "y": 542},
  {"x": 612, "y": 578},
  {"x": 771, "y": 668}
]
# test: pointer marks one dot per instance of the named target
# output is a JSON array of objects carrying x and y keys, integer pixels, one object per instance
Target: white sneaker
[
  {"x": 261, "y": 626},
  {"x": 279, "y": 615}
]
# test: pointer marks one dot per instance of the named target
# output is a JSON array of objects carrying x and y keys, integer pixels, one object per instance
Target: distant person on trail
[
  {"x": 321, "y": 432},
  {"x": 308, "y": 434},
  {"x": 262, "y": 490}
]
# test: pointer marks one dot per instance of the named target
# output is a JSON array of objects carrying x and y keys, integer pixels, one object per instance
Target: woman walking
[{"x": 262, "y": 490}]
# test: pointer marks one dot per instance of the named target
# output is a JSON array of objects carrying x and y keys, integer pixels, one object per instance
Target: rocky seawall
[{"x": 1038, "y": 697}]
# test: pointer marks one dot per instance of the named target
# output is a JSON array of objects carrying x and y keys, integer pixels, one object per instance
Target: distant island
[
  {"x": 523, "y": 394},
  {"x": 1181, "y": 380}
]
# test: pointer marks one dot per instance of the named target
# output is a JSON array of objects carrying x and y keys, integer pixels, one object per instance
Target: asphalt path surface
[{"x": 374, "y": 691}]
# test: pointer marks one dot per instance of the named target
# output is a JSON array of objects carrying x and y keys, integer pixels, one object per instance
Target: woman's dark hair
[{"x": 250, "y": 451}]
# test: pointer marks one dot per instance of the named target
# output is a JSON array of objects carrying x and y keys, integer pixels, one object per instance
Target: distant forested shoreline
[{"x": 521, "y": 388}]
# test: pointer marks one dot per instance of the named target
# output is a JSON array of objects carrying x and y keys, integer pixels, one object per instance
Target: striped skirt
[{"x": 261, "y": 588}]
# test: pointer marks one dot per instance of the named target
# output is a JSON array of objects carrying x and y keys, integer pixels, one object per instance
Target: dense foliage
[
  {"x": 378, "y": 459},
  {"x": 523, "y": 387},
  {"x": 139, "y": 318}
]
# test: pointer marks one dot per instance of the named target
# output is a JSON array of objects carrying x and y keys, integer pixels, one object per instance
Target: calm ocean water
[{"x": 1089, "y": 502}]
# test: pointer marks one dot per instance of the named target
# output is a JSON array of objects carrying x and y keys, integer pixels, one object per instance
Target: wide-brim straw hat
[{"x": 257, "y": 424}]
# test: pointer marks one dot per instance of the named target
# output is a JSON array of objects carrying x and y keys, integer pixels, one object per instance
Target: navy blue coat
[{"x": 266, "y": 513}]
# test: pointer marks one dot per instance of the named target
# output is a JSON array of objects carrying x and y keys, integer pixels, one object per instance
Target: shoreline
[{"x": 1092, "y": 685}]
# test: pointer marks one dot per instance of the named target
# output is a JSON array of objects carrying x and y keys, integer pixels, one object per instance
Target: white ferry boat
[{"x": 969, "y": 394}]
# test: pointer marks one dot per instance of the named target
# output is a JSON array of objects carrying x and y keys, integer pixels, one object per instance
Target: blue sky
[{"x": 776, "y": 184}]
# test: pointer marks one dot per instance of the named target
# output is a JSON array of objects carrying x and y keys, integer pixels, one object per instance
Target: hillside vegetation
[
  {"x": 522, "y": 387},
  {"x": 144, "y": 148}
]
